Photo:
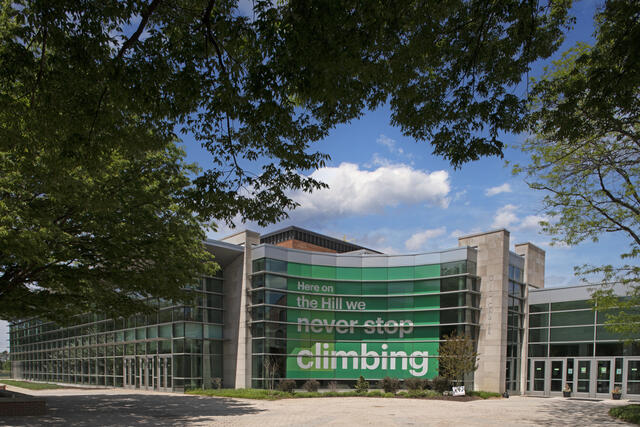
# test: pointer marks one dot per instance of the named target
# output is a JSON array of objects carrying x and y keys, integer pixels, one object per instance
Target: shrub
[
  {"x": 389, "y": 385},
  {"x": 414, "y": 383},
  {"x": 362, "y": 386},
  {"x": 333, "y": 386},
  {"x": 441, "y": 384},
  {"x": 287, "y": 386},
  {"x": 216, "y": 383},
  {"x": 311, "y": 386},
  {"x": 428, "y": 385},
  {"x": 630, "y": 413}
]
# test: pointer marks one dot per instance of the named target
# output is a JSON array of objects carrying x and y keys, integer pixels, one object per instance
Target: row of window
[
  {"x": 363, "y": 273},
  {"x": 382, "y": 289},
  {"x": 584, "y": 349}
]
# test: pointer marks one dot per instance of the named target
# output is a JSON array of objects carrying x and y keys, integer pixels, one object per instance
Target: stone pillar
[
  {"x": 534, "y": 259},
  {"x": 237, "y": 346},
  {"x": 493, "y": 270}
]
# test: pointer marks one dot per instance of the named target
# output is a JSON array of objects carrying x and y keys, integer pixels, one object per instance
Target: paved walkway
[{"x": 117, "y": 407}]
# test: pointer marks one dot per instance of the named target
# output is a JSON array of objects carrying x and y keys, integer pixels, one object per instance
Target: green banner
[{"x": 334, "y": 336}]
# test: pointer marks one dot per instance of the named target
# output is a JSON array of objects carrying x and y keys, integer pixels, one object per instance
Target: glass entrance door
[
  {"x": 556, "y": 376},
  {"x": 129, "y": 372},
  {"x": 633, "y": 377},
  {"x": 146, "y": 372},
  {"x": 604, "y": 377},
  {"x": 163, "y": 370},
  {"x": 583, "y": 377},
  {"x": 538, "y": 375}
]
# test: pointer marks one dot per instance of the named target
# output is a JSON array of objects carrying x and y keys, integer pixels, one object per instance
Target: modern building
[{"x": 300, "y": 305}]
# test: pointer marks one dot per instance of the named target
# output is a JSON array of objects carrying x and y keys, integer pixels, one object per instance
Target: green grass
[
  {"x": 629, "y": 413},
  {"x": 31, "y": 386},
  {"x": 260, "y": 394}
]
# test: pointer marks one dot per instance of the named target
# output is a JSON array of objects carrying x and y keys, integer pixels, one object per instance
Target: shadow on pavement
[
  {"x": 130, "y": 409},
  {"x": 573, "y": 412}
]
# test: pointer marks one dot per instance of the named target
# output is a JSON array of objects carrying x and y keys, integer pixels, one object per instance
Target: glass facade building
[
  {"x": 569, "y": 345},
  {"x": 332, "y": 320},
  {"x": 298, "y": 305}
]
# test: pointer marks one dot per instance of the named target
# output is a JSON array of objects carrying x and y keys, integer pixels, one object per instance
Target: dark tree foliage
[
  {"x": 585, "y": 153},
  {"x": 94, "y": 94}
]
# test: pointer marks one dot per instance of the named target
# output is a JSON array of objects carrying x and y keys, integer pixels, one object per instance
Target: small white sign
[{"x": 458, "y": 391}]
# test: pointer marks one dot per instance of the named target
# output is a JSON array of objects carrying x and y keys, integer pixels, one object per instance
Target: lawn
[
  {"x": 30, "y": 385},
  {"x": 252, "y": 393},
  {"x": 629, "y": 413}
]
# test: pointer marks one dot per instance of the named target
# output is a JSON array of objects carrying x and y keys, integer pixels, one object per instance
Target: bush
[
  {"x": 216, "y": 383},
  {"x": 630, "y": 413},
  {"x": 428, "y": 385},
  {"x": 333, "y": 386},
  {"x": 389, "y": 385},
  {"x": 287, "y": 386},
  {"x": 414, "y": 383},
  {"x": 311, "y": 386},
  {"x": 441, "y": 384},
  {"x": 362, "y": 386}
]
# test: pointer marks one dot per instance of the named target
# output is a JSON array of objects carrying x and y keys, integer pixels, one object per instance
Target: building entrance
[{"x": 148, "y": 372}]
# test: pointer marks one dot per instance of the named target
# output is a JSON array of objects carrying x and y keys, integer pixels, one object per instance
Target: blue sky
[{"x": 391, "y": 194}]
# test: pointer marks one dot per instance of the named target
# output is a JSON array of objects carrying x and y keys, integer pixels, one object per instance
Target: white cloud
[
  {"x": 504, "y": 188},
  {"x": 354, "y": 191},
  {"x": 418, "y": 240},
  {"x": 532, "y": 222},
  {"x": 505, "y": 216},
  {"x": 387, "y": 142}
]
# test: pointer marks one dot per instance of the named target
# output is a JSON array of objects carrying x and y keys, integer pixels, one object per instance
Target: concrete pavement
[{"x": 117, "y": 407}]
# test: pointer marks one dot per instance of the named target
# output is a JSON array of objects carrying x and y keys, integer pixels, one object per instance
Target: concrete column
[
  {"x": 237, "y": 350},
  {"x": 534, "y": 259},
  {"x": 493, "y": 270},
  {"x": 534, "y": 262}
]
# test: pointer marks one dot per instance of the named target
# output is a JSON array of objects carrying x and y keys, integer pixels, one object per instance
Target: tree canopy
[
  {"x": 95, "y": 95},
  {"x": 585, "y": 153}
]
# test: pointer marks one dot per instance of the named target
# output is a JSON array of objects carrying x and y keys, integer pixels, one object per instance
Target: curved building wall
[{"x": 336, "y": 317}]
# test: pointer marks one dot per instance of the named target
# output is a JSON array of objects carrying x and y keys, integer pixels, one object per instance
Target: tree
[
  {"x": 585, "y": 153},
  {"x": 97, "y": 237},
  {"x": 87, "y": 87},
  {"x": 456, "y": 357}
]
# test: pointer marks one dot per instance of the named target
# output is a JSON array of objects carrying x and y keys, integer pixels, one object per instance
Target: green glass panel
[
  {"x": 572, "y": 318},
  {"x": 323, "y": 272},
  {"x": 538, "y": 320},
  {"x": 571, "y": 334},
  {"x": 296, "y": 269},
  {"x": 426, "y": 317},
  {"x": 193, "y": 330},
  {"x": 425, "y": 271},
  {"x": 426, "y": 286},
  {"x": 603, "y": 334},
  {"x": 539, "y": 335},
  {"x": 349, "y": 273},
  {"x": 396, "y": 273},
  {"x": 374, "y": 273},
  {"x": 374, "y": 288},
  {"x": 570, "y": 305},
  {"x": 348, "y": 288},
  {"x": 400, "y": 288},
  {"x": 537, "y": 308}
]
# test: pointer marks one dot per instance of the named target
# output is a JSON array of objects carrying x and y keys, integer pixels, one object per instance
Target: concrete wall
[
  {"x": 493, "y": 269},
  {"x": 534, "y": 259},
  {"x": 236, "y": 317}
]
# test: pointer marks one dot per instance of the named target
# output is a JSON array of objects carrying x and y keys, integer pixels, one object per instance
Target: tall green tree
[
  {"x": 94, "y": 96},
  {"x": 585, "y": 153}
]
